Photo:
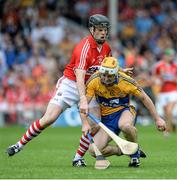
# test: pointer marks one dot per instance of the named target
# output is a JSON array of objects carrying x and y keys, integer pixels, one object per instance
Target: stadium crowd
[{"x": 37, "y": 38}]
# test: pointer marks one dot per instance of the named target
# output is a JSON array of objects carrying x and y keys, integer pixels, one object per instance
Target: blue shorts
[{"x": 111, "y": 121}]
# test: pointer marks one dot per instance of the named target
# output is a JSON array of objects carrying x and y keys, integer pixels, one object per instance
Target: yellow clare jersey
[{"x": 114, "y": 98}]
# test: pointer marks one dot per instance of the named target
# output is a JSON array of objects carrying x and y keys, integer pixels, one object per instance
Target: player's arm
[
  {"x": 80, "y": 81},
  {"x": 83, "y": 106},
  {"x": 137, "y": 91},
  {"x": 85, "y": 123},
  {"x": 160, "y": 123},
  {"x": 90, "y": 93}
]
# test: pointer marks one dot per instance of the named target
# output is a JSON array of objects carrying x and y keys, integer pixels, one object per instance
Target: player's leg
[
  {"x": 52, "y": 112},
  {"x": 102, "y": 138},
  {"x": 111, "y": 121},
  {"x": 171, "y": 101},
  {"x": 167, "y": 101},
  {"x": 56, "y": 105},
  {"x": 110, "y": 150},
  {"x": 78, "y": 160},
  {"x": 126, "y": 124},
  {"x": 168, "y": 111}
]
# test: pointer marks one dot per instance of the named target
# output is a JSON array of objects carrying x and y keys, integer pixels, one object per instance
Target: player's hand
[
  {"x": 161, "y": 125},
  {"x": 128, "y": 71},
  {"x": 83, "y": 107}
]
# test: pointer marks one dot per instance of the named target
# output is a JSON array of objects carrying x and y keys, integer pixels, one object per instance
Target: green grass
[{"x": 50, "y": 155}]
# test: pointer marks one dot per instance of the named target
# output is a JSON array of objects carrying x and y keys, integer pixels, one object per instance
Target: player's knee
[
  {"x": 128, "y": 128},
  {"x": 168, "y": 112},
  {"x": 130, "y": 132},
  {"x": 95, "y": 128},
  {"x": 48, "y": 118}
]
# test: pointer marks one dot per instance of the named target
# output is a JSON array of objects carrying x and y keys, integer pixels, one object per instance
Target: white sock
[
  {"x": 20, "y": 145},
  {"x": 77, "y": 156}
]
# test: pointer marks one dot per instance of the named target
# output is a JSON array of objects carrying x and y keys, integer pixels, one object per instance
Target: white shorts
[
  {"x": 66, "y": 94},
  {"x": 164, "y": 98}
]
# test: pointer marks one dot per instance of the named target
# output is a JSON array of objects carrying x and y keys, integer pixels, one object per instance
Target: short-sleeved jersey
[
  {"x": 113, "y": 98},
  {"x": 86, "y": 56},
  {"x": 168, "y": 74}
]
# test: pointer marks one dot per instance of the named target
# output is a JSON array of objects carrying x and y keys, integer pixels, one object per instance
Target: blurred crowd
[{"x": 37, "y": 38}]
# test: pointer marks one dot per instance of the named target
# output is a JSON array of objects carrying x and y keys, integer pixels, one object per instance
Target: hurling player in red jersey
[
  {"x": 166, "y": 72},
  {"x": 70, "y": 89}
]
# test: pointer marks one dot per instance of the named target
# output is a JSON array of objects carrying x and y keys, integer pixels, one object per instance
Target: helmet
[
  {"x": 99, "y": 20},
  {"x": 169, "y": 52},
  {"x": 109, "y": 65}
]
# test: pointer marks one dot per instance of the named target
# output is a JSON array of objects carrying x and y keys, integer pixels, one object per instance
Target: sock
[
  {"x": 83, "y": 147},
  {"x": 34, "y": 130}
]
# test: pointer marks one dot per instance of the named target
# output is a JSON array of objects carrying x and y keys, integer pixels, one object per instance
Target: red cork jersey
[
  {"x": 168, "y": 75},
  {"x": 86, "y": 56}
]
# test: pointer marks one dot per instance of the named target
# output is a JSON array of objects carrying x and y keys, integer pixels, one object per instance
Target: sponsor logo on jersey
[
  {"x": 92, "y": 69},
  {"x": 100, "y": 58}
]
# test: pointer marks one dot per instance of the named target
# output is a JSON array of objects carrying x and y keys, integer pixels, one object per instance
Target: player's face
[
  {"x": 169, "y": 58},
  {"x": 100, "y": 34},
  {"x": 107, "y": 79}
]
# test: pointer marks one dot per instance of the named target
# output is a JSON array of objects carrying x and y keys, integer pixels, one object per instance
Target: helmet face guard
[
  {"x": 109, "y": 66},
  {"x": 108, "y": 71}
]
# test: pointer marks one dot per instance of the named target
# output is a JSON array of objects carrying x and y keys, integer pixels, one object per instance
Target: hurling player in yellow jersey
[{"x": 112, "y": 90}]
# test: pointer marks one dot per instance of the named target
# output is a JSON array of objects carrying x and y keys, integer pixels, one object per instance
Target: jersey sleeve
[
  {"x": 135, "y": 88},
  {"x": 81, "y": 55},
  {"x": 131, "y": 86}
]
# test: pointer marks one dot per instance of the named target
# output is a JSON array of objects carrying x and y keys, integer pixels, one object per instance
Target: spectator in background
[
  {"x": 10, "y": 55},
  {"x": 37, "y": 32},
  {"x": 3, "y": 65},
  {"x": 82, "y": 8},
  {"x": 143, "y": 22},
  {"x": 53, "y": 33}
]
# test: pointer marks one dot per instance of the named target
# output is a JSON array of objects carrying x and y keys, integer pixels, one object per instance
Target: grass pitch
[{"x": 50, "y": 155}]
